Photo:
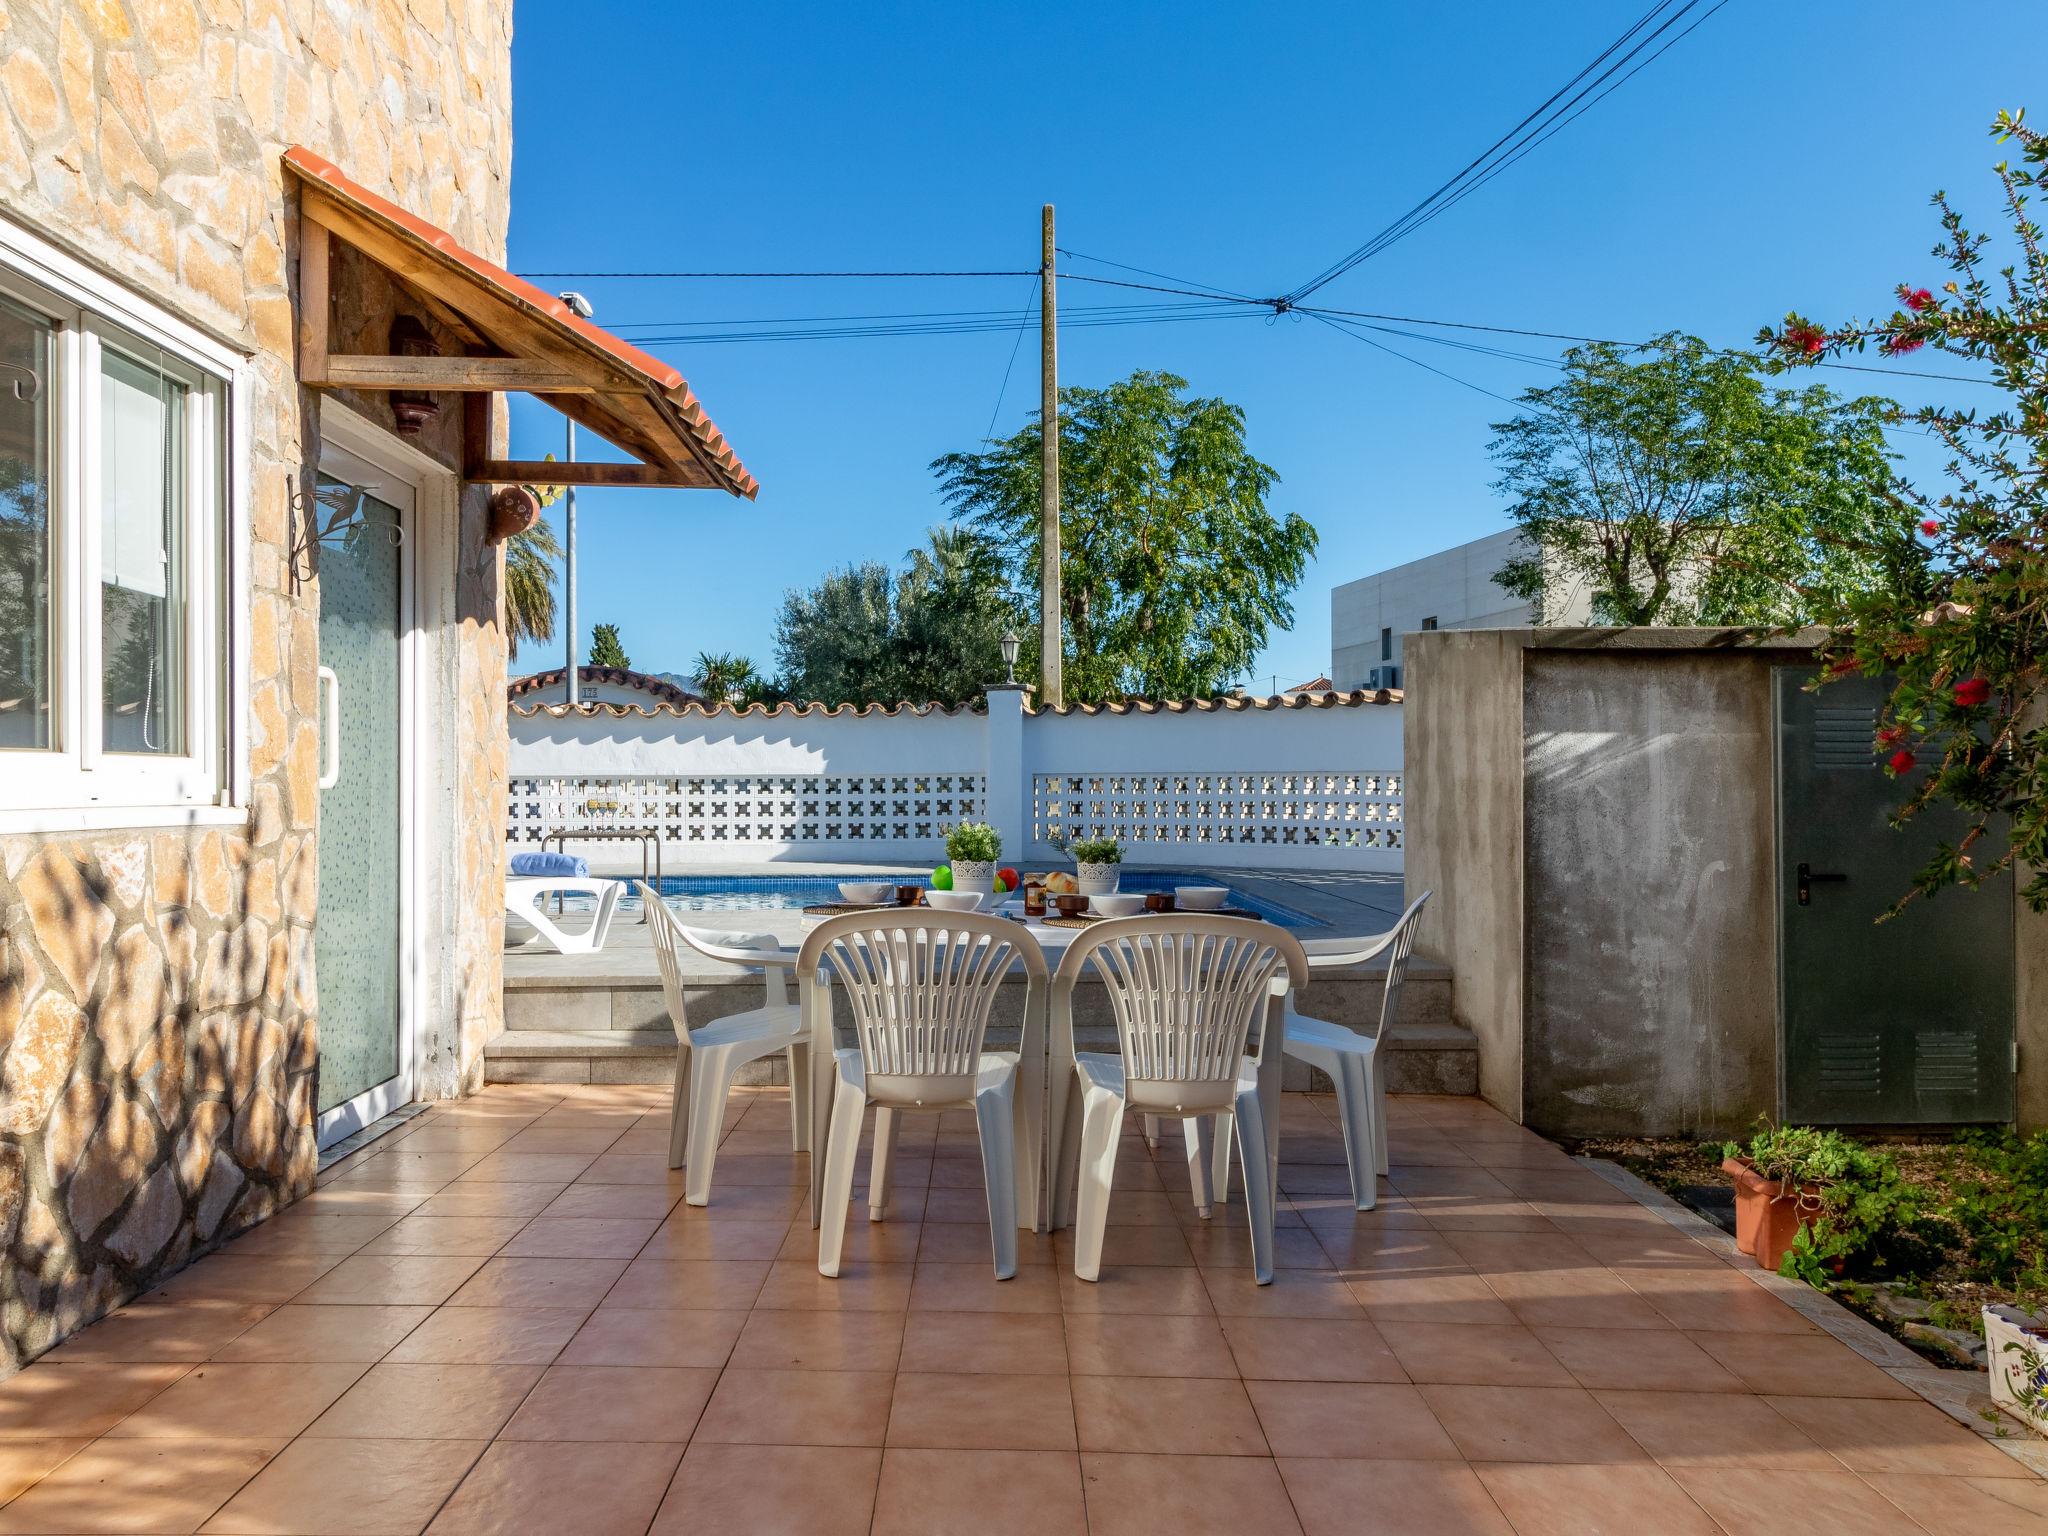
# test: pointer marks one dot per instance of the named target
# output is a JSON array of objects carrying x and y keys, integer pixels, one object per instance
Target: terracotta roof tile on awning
[{"x": 527, "y": 340}]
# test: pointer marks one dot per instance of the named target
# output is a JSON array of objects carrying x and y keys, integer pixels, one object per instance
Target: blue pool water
[{"x": 778, "y": 893}]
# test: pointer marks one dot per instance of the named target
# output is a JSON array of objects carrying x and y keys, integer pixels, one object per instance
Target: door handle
[
  {"x": 1807, "y": 876},
  {"x": 330, "y": 749}
]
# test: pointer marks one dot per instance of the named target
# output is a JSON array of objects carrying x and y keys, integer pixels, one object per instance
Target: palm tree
[
  {"x": 530, "y": 560},
  {"x": 725, "y": 678}
]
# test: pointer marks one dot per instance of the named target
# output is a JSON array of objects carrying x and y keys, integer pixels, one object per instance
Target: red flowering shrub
[
  {"x": 1971, "y": 692},
  {"x": 1915, "y": 299},
  {"x": 1903, "y": 760},
  {"x": 1930, "y": 527}
]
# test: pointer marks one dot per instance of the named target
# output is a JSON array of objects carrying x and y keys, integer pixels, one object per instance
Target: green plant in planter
[
  {"x": 974, "y": 842},
  {"x": 1097, "y": 850},
  {"x": 1867, "y": 1210}
]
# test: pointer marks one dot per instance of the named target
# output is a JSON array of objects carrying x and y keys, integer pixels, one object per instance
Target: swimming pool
[{"x": 782, "y": 893}]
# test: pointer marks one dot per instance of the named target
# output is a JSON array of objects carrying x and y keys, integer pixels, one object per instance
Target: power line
[
  {"x": 531, "y": 276},
  {"x": 1023, "y": 321},
  {"x": 1164, "y": 277}
]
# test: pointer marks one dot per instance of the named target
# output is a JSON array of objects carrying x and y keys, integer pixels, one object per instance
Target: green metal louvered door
[{"x": 1908, "y": 1022}]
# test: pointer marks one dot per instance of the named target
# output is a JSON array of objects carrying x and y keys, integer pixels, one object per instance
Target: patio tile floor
[{"x": 502, "y": 1318}]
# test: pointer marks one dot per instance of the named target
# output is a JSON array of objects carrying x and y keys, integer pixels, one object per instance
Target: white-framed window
[{"x": 116, "y": 515}]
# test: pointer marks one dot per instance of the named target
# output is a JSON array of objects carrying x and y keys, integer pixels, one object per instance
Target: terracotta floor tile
[
  {"x": 1187, "y": 1495},
  {"x": 1359, "y": 1420},
  {"x": 160, "y": 1333},
  {"x": 794, "y": 1285},
  {"x": 1594, "y": 1501},
  {"x": 545, "y": 1488},
  {"x": 467, "y": 1236},
  {"x": 992, "y": 1493},
  {"x": 1754, "y": 1502},
  {"x": 830, "y": 1341},
  {"x": 1882, "y": 1435},
  {"x": 1406, "y": 1498},
  {"x": 1166, "y": 1415},
  {"x": 1493, "y": 1354},
  {"x": 1130, "y": 1245},
  {"x": 1293, "y": 1293},
  {"x": 974, "y": 1288},
  {"x": 1229, "y": 1249},
  {"x": 239, "y": 1402},
  {"x": 526, "y": 1168},
  {"x": 348, "y": 1488},
  {"x": 798, "y": 1408},
  {"x": 301, "y": 1230},
  {"x": 325, "y": 1334},
  {"x": 504, "y": 1282},
  {"x": 643, "y": 1201},
  {"x": 982, "y": 1413},
  {"x": 1799, "y": 1365},
  {"x": 490, "y": 1336},
  {"x": 535, "y": 1139},
  {"x": 1444, "y": 1299},
  {"x": 609, "y": 1402},
  {"x": 1715, "y": 1429},
  {"x": 67, "y": 1401},
  {"x": 1310, "y": 1349},
  {"x": 771, "y": 1490},
  {"x": 427, "y": 1402},
  {"x": 1118, "y": 1344},
  {"x": 994, "y": 1343},
  {"x": 226, "y": 1277},
  {"x": 1714, "y": 1300},
  {"x": 464, "y": 1201},
  {"x": 1955, "y": 1506},
  {"x": 1661, "y": 1359},
  {"x": 23, "y": 1462},
  {"x": 894, "y": 1241},
  {"x": 644, "y": 1336},
  {"x": 119, "y": 1486},
  {"x": 725, "y": 1238},
  {"x": 690, "y": 1285},
  {"x": 391, "y": 1279},
  {"x": 964, "y": 1242},
  {"x": 582, "y": 1237},
  {"x": 1559, "y": 1424},
  {"x": 1137, "y": 1289}
]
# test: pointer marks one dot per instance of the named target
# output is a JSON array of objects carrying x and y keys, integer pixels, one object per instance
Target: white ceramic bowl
[
  {"x": 1114, "y": 905},
  {"x": 957, "y": 901},
  {"x": 867, "y": 893},
  {"x": 1201, "y": 898}
]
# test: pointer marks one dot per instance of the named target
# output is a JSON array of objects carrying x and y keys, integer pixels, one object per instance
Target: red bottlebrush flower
[
  {"x": 1891, "y": 736},
  {"x": 1915, "y": 299},
  {"x": 1844, "y": 666},
  {"x": 1902, "y": 761},
  {"x": 1899, "y": 346},
  {"x": 1972, "y": 692},
  {"x": 1930, "y": 527},
  {"x": 1806, "y": 338}
]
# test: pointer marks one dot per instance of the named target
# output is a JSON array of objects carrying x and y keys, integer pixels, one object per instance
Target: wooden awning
[{"x": 516, "y": 338}]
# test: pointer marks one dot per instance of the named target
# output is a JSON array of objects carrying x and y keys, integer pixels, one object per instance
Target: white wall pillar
[{"x": 1008, "y": 787}]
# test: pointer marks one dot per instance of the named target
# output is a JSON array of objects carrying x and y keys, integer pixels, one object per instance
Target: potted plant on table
[
  {"x": 1098, "y": 865},
  {"x": 972, "y": 849}
]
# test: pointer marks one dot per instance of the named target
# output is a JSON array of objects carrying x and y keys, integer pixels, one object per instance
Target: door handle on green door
[
  {"x": 330, "y": 726},
  {"x": 1807, "y": 876}
]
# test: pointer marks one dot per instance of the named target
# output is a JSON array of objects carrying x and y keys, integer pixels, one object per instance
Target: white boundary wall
[{"x": 1261, "y": 785}]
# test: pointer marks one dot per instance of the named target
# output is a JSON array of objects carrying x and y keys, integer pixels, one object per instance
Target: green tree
[
  {"x": 1961, "y": 621},
  {"x": 1173, "y": 569},
  {"x": 605, "y": 649},
  {"x": 1674, "y": 487},
  {"x": 530, "y": 560},
  {"x": 726, "y": 678}
]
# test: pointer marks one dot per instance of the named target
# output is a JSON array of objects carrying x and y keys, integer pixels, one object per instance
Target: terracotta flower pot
[
  {"x": 1768, "y": 1215},
  {"x": 514, "y": 509}
]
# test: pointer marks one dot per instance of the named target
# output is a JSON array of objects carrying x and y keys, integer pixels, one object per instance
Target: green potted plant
[
  {"x": 1098, "y": 865},
  {"x": 1808, "y": 1201},
  {"x": 972, "y": 849}
]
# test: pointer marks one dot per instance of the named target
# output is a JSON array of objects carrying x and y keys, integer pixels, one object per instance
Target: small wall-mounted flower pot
[
  {"x": 1097, "y": 879},
  {"x": 2016, "y": 1350},
  {"x": 514, "y": 509},
  {"x": 1768, "y": 1215}
]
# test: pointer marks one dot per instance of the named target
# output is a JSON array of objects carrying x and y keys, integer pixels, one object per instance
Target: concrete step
[{"x": 1423, "y": 1057}]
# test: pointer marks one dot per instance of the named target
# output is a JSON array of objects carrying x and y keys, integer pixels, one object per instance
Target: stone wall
[{"x": 157, "y": 998}]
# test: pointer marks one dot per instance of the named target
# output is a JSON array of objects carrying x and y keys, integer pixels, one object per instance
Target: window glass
[
  {"x": 1430, "y": 622},
  {"x": 26, "y": 344},
  {"x": 142, "y": 561},
  {"x": 1386, "y": 645}
]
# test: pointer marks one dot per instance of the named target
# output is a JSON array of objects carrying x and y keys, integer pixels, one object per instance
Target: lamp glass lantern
[{"x": 1009, "y": 644}]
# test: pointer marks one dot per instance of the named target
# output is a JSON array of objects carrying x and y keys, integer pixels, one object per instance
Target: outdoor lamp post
[
  {"x": 1009, "y": 644},
  {"x": 579, "y": 306}
]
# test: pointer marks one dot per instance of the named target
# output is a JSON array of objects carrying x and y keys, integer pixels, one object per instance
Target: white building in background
[{"x": 1453, "y": 589}]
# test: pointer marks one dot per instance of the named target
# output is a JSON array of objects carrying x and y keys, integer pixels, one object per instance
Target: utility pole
[
  {"x": 1052, "y": 690},
  {"x": 579, "y": 306}
]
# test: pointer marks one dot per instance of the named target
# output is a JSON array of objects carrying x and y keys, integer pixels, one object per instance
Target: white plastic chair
[
  {"x": 1349, "y": 1058},
  {"x": 525, "y": 919},
  {"x": 708, "y": 1057},
  {"x": 1185, "y": 991},
  {"x": 921, "y": 986}
]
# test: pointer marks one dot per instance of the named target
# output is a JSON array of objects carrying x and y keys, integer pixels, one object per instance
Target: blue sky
[{"x": 1779, "y": 157}]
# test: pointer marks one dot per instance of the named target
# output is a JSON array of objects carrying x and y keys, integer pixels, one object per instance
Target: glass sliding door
[{"x": 360, "y": 929}]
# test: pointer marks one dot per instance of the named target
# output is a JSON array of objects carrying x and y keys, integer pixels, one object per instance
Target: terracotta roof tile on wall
[
  {"x": 618, "y": 677},
  {"x": 1227, "y": 704},
  {"x": 701, "y": 707},
  {"x": 1230, "y": 703}
]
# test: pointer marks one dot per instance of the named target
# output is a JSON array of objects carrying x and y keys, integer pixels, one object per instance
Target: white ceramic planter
[
  {"x": 1096, "y": 879},
  {"x": 2019, "y": 1366},
  {"x": 974, "y": 876}
]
